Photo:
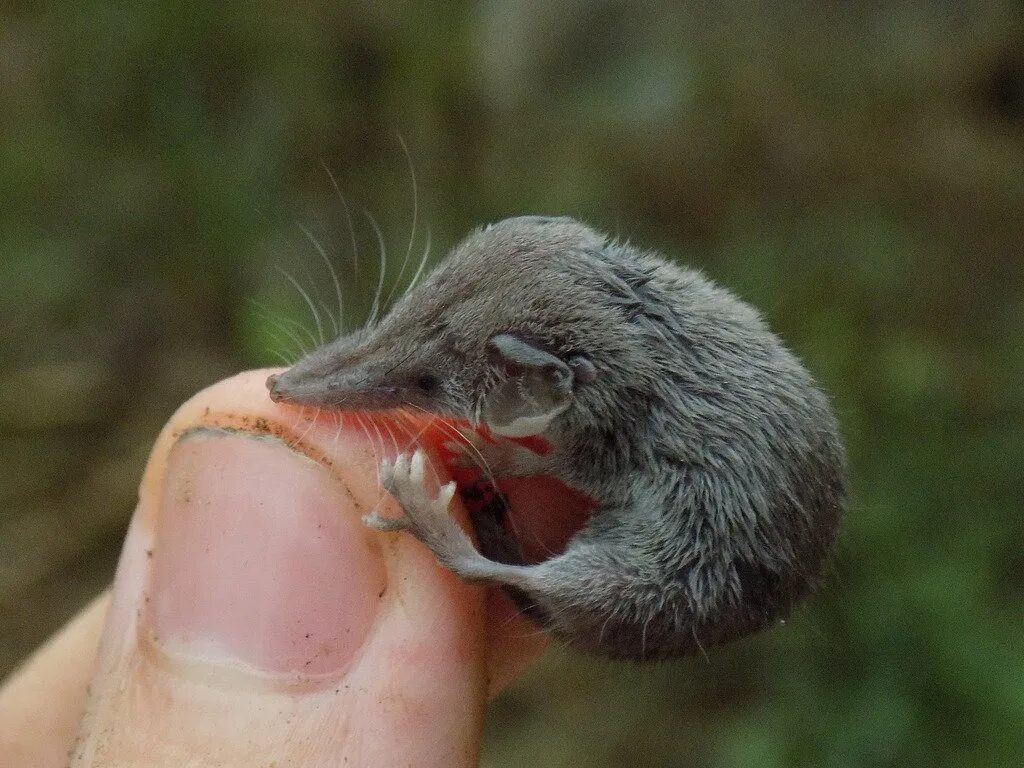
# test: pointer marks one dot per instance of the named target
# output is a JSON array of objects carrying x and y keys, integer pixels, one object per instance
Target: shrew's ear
[{"x": 535, "y": 387}]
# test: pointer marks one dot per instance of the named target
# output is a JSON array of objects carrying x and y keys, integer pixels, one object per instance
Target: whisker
[
  {"x": 378, "y": 452},
  {"x": 337, "y": 434},
  {"x": 309, "y": 301},
  {"x": 408, "y": 423},
  {"x": 366, "y": 433},
  {"x": 305, "y": 330},
  {"x": 280, "y": 347},
  {"x": 285, "y": 360},
  {"x": 296, "y": 324},
  {"x": 415, "y": 214},
  {"x": 312, "y": 423},
  {"x": 380, "y": 437},
  {"x": 387, "y": 428},
  {"x": 318, "y": 299},
  {"x": 423, "y": 263},
  {"x": 295, "y": 423},
  {"x": 383, "y": 268},
  {"x": 307, "y": 276},
  {"x": 268, "y": 315},
  {"x": 421, "y": 428},
  {"x": 335, "y": 325},
  {"x": 334, "y": 278},
  {"x": 348, "y": 221},
  {"x": 450, "y": 430}
]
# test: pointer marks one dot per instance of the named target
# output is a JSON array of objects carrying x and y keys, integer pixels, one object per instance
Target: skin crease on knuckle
[{"x": 713, "y": 459}]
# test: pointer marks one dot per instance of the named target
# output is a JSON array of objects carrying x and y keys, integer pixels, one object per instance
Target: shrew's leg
[
  {"x": 592, "y": 595},
  {"x": 488, "y": 510},
  {"x": 426, "y": 517}
]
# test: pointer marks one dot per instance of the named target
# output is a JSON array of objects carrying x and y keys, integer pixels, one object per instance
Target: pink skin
[{"x": 256, "y": 621}]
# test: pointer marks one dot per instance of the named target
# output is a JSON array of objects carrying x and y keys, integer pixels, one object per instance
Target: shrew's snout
[
  {"x": 287, "y": 388},
  {"x": 272, "y": 386},
  {"x": 354, "y": 391},
  {"x": 284, "y": 388}
]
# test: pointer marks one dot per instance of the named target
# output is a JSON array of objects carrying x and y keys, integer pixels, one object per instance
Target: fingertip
[{"x": 233, "y": 586}]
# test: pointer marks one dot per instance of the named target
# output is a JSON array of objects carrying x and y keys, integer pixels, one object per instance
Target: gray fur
[{"x": 714, "y": 458}]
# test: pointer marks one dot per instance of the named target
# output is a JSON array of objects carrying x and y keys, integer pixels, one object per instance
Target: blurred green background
[{"x": 855, "y": 169}]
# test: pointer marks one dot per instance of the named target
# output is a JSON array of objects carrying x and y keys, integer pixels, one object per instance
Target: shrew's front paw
[{"x": 425, "y": 515}]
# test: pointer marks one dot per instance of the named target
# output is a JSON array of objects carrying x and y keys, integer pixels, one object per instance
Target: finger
[
  {"x": 255, "y": 619},
  {"x": 41, "y": 703}
]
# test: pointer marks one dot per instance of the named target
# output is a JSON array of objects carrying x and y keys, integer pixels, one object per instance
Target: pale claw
[
  {"x": 425, "y": 516},
  {"x": 405, "y": 479},
  {"x": 416, "y": 469}
]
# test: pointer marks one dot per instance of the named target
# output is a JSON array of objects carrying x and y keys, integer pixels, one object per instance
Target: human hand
[{"x": 255, "y": 621}]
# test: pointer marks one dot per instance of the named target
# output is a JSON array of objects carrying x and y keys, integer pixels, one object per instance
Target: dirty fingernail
[{"x": 259, "y": 560}]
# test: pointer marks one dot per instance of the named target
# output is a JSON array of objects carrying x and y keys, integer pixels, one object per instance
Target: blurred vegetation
[{"x": 854, "y": 169}]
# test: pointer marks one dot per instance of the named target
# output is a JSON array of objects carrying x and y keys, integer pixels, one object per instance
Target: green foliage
[{"x": 855, "y": 169}]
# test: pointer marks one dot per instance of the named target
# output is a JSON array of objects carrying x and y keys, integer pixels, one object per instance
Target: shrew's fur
[{"x": 714, "y": 458}]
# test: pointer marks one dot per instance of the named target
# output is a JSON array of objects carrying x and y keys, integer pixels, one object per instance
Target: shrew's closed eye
[{"x": 427, "y": 383}]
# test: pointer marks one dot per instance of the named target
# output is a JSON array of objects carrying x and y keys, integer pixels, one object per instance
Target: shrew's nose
[{"x": 275, "y": 393}]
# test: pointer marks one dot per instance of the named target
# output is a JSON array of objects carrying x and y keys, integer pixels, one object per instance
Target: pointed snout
[
  {"x": 300, "y": 386},
  {"x": 283, "y": 388},
  {"x": 273, "y": 387},
  {"x": 289, "y": 387}
]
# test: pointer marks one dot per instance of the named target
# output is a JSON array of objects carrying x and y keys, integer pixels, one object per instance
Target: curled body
[{"x": 713, "y": 458}]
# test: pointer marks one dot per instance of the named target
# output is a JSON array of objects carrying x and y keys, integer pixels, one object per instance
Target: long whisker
[
  {"x": 415, "y": 214},
  {"x": 321, "y": 304},
  {"x": 335, "y": 326},
  {"x": 307, "y": 276},
  {"x": 380, "y": 437},
  {"x": 304, "y": 329},
  {"x": 376, "y": 450},
  {"x": 337, "y": 434},
  {"x": 421, "y": 428},
  {"x": 280, "y": 346},
  {"x": 448, "y": 429},
  {"x": 369, "y": 438},
  {"x": 334, "y": 277},
  {"x": 387, "y": 428},
  {"x": 312, "y": 423},
  {"x": 423, "y": 263},
  {"x": 285, "y": 360},
  {"x": 348, "y": 221},
  {"x": 309, "y": 301},
  {"x": 299, "y": 415},
  {"x": 408, "y": 423},
  {"x": 279, "y": 325},
  {"x": 383, "y": 268}
]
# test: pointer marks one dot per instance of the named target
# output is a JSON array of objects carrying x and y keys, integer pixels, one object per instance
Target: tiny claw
[
  {"x": 446, "y": 492},
  {"x": 402, "y": 464},
  {"x": 417, "y": 466}
]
